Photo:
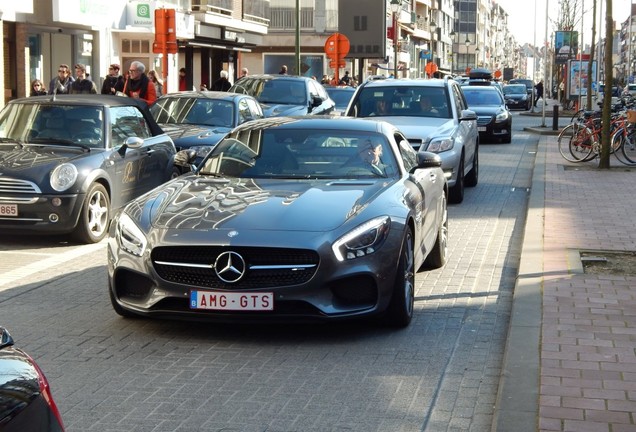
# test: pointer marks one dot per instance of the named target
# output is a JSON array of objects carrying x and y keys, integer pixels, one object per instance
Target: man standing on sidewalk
[{"x": 539, "y": 87}]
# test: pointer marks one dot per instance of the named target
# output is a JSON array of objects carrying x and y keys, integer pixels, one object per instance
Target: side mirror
[
  {"x": 427, "y": 159},
  {"x": 131, "y": 142},
  {"x": 5, "y": 338},
  {"x": 467, "y": 115},
  {"x": 185, "y": 158}
]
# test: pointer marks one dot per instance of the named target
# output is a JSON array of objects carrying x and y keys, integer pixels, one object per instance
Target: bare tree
[
  {"x": 607, "y": 97},
  {"x": 569, "y": 16}
]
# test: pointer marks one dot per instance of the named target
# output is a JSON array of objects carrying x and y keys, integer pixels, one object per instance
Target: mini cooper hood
[
  {"x": 187, "y": 135},
  {"x": 34, "y": 162},
  {"x": 192, "y": 202}
]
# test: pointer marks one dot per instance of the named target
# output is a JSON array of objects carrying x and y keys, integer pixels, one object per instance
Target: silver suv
[{"x": 434, "y": 116}]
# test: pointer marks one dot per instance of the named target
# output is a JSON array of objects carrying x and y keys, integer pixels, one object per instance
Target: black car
[
  {"x": 530, "y": 90},
  {"x": 286, "y": 95},
  {"x": 309, "y": 218},
  {"x": 516, "y": 96},
  {"x": 198, "y": 120},
  {"x": 26, "y": 402},
  {"x": 67, "y": 161},
  {"x": 494, "y": 121}
]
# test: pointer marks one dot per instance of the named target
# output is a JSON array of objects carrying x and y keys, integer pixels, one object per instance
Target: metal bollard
[{"x": 555, "y": 117}]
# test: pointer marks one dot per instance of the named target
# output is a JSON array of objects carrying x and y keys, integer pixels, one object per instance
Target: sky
[{"x": 522, "y": 18}]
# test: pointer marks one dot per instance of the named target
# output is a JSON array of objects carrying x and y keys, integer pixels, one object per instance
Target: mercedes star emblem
[{"x": 230, "y": 267}]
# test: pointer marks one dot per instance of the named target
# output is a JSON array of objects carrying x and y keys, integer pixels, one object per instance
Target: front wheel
[
  {"x": 473, "y": 176},
  {"x": 575, "y": 143},
  {"x": 94, "y": 216},
  {"x": 400, "y": 311}
]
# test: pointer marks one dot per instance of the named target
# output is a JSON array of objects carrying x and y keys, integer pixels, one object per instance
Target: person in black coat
[
  {"x": 539, "y": 87},
  {"x": 222, "y": 84},
  {"x": 113, "y": 82}
]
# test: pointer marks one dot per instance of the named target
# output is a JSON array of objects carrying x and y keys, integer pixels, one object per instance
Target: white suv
[{"x": 434, "y": 116}]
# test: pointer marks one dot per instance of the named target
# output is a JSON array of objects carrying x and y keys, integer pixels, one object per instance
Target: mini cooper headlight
[
  {"x": 362, "y": 240},
  {"x": 438, "y": 145},
  {"x": 129, "y": 237},
  {"x": 63, "y": 177}
]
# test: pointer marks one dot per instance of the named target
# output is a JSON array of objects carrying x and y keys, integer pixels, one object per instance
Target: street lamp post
[
  {"x": 477, "y": 57},
  {"x": 467, "y": 42},
  {"x": 452, "y": 34},
  {"x": 396, "y": 5}
]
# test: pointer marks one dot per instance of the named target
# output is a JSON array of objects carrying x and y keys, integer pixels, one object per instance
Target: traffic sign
[
  {"x": 337, "y": 46},
  {"x": 333, "y": 64}
]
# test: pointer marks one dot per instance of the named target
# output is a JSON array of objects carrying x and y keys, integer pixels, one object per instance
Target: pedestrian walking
[
  {"x": 37, "y": 88},
  {"x": 82, "y": 83},
  {"x": 345, "y": 80},
  {"x": 61, "y": 84},
  {"x": 222, "y": 84},
  {"x": 283, "y": 70},
  {"x": 182, "y": 80},
  {"x": 539, "y": 87},
  {"x": 114, "y": 81},
  {"x": 138, "y": 85},
  {"x": 158, "y": 82}
]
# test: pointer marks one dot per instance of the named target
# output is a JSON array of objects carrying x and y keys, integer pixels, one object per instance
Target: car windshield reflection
[
  {"x": 283, "y": 92},
  {"x": 197, "y": 111},
  {"x": 301, "y": 154}
]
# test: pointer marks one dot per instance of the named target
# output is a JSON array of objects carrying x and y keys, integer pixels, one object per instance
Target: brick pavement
[{"x": 570, "y": 363}]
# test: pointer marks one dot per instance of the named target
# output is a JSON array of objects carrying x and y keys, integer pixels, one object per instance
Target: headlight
[
  {"x": 438, "y": 145},
  {"x": 502, "y": 116},
  {"x": 524, "y": 97},
  {"x": 363, "y": 240},
  {"x": 63, "y": 177},
  {"x": 129, "y": 237}
]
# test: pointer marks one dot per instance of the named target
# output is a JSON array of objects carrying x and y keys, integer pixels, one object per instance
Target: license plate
[
  {"x": 481, "y": 129},
  {"x": 231, "y": 301},
  {"x": 8, "y": 209}
]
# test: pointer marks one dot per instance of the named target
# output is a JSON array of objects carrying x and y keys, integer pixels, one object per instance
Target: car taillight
[{"x": 45, "y": 390}]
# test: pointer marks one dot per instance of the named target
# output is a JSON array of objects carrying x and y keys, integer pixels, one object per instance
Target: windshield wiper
[
  {"x": 12, "y": 141},
  {"x": 58, "y": 141}
]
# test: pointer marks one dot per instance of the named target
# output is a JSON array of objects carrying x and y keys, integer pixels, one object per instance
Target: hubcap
[{"x": 97, "y": 214}]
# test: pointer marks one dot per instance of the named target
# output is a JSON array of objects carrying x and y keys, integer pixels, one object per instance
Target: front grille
[
  {"x": 483, "y": 121},
  {"x": 13, "y": 186},
  {"x": 265, "y": 267}
]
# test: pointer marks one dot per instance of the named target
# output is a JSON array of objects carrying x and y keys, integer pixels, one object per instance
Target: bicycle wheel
[
  {"x": 575, "y": 143},
  {"x": 578, "y": 117},
  {"x": 628, "y": 146}
]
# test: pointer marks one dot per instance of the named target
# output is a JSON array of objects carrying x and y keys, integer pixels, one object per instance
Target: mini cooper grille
[
  {"x": 275, "y": 267},
  {"x": 9, "y": 185}
]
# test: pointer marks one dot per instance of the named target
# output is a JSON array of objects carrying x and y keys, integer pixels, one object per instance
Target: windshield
[
  {"x": 476, "y": 97},
  {"x": 407, "y": 101},
  {"x": 199, "y": 111},
  {"x": 57, "y": 124},
  {"x": 295, "y": 153},
  {"x": 514, "y": 89},
  {"x": 340, "y": 96},
  {"x": 280, "y": 91}
]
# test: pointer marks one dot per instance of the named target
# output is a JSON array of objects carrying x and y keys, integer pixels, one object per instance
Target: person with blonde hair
[{"x": 158, "y": 82}]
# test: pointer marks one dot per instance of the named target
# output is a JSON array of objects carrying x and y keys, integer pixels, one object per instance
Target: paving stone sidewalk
[{"x": 570, "y": 362}]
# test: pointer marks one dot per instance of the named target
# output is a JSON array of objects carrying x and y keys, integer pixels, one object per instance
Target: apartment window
[{"x": 135, "y": 46}]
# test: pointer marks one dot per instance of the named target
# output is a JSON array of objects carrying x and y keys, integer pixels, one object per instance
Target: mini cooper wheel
[
  {"x": 94, "y": 216},
  {"x": 400, "y": 311}
]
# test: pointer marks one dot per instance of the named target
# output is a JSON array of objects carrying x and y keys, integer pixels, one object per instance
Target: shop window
[{"x": 135, "y": 46}]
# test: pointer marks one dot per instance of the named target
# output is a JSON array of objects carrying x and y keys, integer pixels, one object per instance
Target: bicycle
[
  {"x": 624, "y": 138},
  {"x": 580, "y": 140}
]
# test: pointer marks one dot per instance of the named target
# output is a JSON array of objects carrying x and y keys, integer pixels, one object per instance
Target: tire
[
  {"x": 437, "y": 257},
  {"x": 572, "y": 143},
  {"x": 92, "y": 225},
  {"x": 507, "y": 139},
  {"x": 473, "y": 176},
  {"x": 457, "y": 191},
  {"x": 628, "y": 148},
  {"x": 400, "y": 310}
]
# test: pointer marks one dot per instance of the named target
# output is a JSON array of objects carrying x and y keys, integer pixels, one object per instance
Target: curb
[{"x": 517, "y": 404}]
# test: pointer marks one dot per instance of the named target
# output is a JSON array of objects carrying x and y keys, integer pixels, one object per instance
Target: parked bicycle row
[{"x": 580, "y": 141}]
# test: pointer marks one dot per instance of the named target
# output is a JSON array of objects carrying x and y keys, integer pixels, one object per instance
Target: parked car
[
  {"x": 286, "y": 95},
  {"x": 199, "y": 120},
  {"x": 450, "y": 130},
  {"x": 494, "y": 121},
  {"x": 341, "y": 95},
  {"x": 516, "y": 96},
  {"x": 530, "y": 89},
  {"x": 67, "y": 161},
  {"x": 26, "y": 401},
  {"x": 246, "y": 236}
]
